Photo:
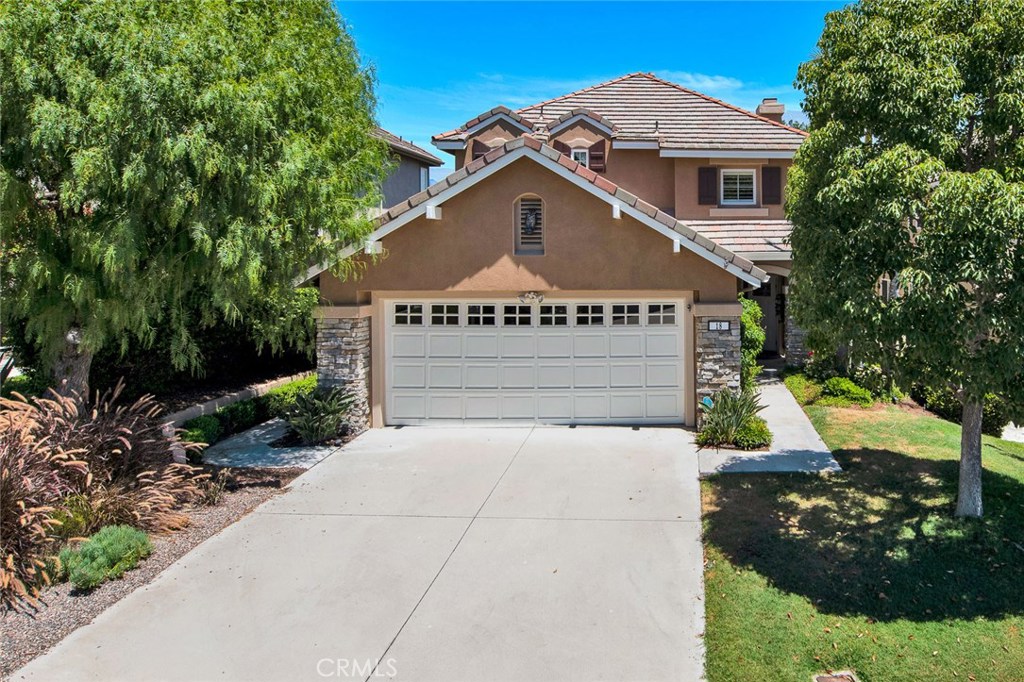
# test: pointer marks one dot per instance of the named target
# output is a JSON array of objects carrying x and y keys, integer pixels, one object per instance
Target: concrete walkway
[
  {"x": 796, "y": 446},
  {"x": 423, "y": 554},
  {"x": 251, "y": 448},
  {"x": 1014, "y": 433}
]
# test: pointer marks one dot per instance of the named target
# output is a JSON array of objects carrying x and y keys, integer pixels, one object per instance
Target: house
[
  {"x": 412, "y": 169},
  {"x": 581, "y": 265}
]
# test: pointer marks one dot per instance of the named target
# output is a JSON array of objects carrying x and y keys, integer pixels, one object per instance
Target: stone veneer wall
[
  {"x": 796, "y": 342},
  {"x": 718, "y": 356},
  {"x": 343, "y": 359}
]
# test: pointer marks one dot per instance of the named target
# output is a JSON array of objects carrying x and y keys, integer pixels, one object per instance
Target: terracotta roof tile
[{"x": 746, "y": 236}]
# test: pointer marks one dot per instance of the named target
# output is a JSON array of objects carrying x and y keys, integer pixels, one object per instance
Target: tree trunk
[
  {"x": 968, "y": 502},
  {"x": 71, "y": 369}
]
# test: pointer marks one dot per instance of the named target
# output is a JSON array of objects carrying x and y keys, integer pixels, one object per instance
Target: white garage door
[{"x": 585, "y": 362}]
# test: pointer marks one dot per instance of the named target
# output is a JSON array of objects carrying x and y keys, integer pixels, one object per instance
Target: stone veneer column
[
  {"x": 343, "y": 359},
  {"x": 717, "y": 351},
  {"x": 796, "y": 342}
]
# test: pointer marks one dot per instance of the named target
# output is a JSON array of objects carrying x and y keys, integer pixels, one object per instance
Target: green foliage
[
  {"x": 166, "y": 166},
  {"x": 878, "y": 382},
  {"x": 320, "y": 415},
  {"x": 279, "y": 401},
  {"x": 845, "y": 392},
  {"x": 945, "y": 404},
  {"x": 242, "y": 415},
  {"x": 752, "y": 338},
  {"x": 753, "y": 435},
  {"x": 28, "y": 385},
  {"x": 804, "y": 389},
  {"x": 728, "y": 416},
  {"x": 914, "y": 169},
  {"x": 106, "y": 555},
  {"x": 205, "y": 428},
  {"x": 76, "y": 517}
]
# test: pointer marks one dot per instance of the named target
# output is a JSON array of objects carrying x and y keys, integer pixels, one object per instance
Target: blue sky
[{"x": 440, "y": 64}]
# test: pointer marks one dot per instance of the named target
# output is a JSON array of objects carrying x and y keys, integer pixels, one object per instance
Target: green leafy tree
[
  {"x": 752, "y": 338},
  {"x": 157, "y": 153},
  {"x": 911, "y": 183}
]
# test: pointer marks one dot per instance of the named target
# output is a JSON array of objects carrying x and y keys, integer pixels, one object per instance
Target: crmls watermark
[{"x": 354, "y": 667}]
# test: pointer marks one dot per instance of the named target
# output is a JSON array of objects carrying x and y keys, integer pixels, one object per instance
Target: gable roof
[
  {"x": 527, "y": 147},
  {"x": 646, "y": 108},
  {"x": 407, "y": 148}
]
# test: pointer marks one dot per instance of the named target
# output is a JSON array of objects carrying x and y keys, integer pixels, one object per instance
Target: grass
[{"x": 868, "y": 570}]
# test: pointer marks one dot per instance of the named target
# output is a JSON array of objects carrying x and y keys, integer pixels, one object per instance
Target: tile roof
[
  {"x": 407, "y": 148},
  {"x": 685, "y": 231},
  {"x": 746, "y": 236},
  {"x": 647, "y": 108}
]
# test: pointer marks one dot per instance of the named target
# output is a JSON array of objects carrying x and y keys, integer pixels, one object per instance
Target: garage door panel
[
  {"x": 446, "y": 345},
  {"x": 466, "y": 368}
]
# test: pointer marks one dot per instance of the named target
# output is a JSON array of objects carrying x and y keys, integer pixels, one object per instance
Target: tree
[
  {"x": 913, "y": 174},
  {"x": 153, "y": 153}
]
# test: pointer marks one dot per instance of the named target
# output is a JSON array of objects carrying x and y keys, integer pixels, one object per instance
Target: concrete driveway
[{"x": 421, "y": 554}]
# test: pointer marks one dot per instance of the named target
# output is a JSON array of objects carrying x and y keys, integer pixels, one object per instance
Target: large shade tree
[
  {"x": 914, "y": 172},
  {"x": 171, "y": 163}
]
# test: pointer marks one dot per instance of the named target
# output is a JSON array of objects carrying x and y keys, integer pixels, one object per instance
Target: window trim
[
  {"x": 424, "y": 177},
  {"x": 722, "y": 172},
  {"x": 586, "y": 156}
]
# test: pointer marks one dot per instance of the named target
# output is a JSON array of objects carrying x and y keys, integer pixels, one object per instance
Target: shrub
[
  {"x": 845, "y": 393},
  {"x": 77, "y": 518},
  {"x": 107, "y": 554},
  {"x": 242, "y": 415},
  {"x": 279, "y": 401},
  {"x": 205, "y": 428},
  {"x": 752, "y": 338},
  {"x": 33, "y": 478},
  {"x": 320, "y": 415},
  {"x": 823, "y": 366},
  {"x": 878, "y": 382},
  {"x": 945, "y": 404},
  {"x": 729, "y": 413},
  {"x": 753, "y": 434},
  {"x": 803, "y": 388}
]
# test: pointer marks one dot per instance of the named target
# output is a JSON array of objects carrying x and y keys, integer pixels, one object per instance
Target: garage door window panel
[
  {"x": 626, "y": 315},
  {"x": 554, "y": 316},
  {"x": 408, "y": 314},
  {"x": 661, "y": 314},
  {"x": 517, "y": 316},
  {"x": 444, "y": 315},
  {"x": 481, "y": 315},
  {"x": 590, "y": 315}
]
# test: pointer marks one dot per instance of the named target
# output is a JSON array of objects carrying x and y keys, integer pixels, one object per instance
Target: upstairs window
[
  {"x": 582, "y": 157},
  {"x": 738, "y": 187},
  {"x": 424, "y": 178},
  {"x": 529, "y": 223}
]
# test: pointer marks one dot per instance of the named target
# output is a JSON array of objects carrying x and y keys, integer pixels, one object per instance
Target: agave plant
[
  {"x": 320, "y": 415},
  {"x": 728, "y": 414}
]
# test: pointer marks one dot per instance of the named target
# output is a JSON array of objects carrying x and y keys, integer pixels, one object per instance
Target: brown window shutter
[
  {"x": 707, "y": 185},
  {"x": 479, "y": 149},
  {"x": 771, "y": 185},
  {"x": 561, "y": 147},
  {"x": 596, "y": 156}
]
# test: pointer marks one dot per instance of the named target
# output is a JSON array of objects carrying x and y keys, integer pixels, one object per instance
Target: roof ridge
[
  {"x": 723, "y": 103},
  {"x": 582, "y": 90}
]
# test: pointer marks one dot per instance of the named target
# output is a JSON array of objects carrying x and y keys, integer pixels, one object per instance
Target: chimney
[{"x": 771, "y": 109}]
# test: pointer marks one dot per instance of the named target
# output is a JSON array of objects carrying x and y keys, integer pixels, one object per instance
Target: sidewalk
[{"x": 796, "y": 446}]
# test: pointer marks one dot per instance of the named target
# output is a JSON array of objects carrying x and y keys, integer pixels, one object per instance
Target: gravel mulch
[{"x": 25, "y": 636}]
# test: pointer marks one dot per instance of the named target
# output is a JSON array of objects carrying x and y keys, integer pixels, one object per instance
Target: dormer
[
  {"x": 584, "y": 136},
  {"x": 487, "y": 131}
]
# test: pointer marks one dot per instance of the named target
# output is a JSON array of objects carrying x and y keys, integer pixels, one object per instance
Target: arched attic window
[{"x": 529, "y": 225}]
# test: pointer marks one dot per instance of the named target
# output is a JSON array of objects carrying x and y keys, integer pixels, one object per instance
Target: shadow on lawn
[{"x": 879, "y": 540}]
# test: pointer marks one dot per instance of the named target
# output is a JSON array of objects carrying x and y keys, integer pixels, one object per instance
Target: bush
[
  {"x": 33, "y": 479},
  {"x": 880, "y": 384},
  {"x": 242, "y": 415},
  {"x": 77, "y": 518},
  {"x": 803, "y": 388},
  {"x": 279, "y": 401},
  {"x": 28, "y": 384},
  {"x": 945, "y": 404},
  {"x": 107, "y": 554},
  {"x": 729, "y": 413},
  {"x": 754, "y": 434},
  {"x": 823, "y": 366},
  {"x": 845, "y": 393},
  {"x": 752, "y": 338},
  {"x": 205, "y": 428},
  {"x": 320, "y": 415}
]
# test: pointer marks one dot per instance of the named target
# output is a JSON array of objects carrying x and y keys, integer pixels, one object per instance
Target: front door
[{"x": 766, "y": 297}]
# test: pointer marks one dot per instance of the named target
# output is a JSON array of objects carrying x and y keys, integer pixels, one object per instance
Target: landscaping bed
[
  {"x": 25, "y": 635},
  {"x": 867, "y": 569}
]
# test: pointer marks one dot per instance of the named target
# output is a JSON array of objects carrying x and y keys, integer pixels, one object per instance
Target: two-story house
[
  {"x": 581, "y": 265},
  {"x": 411, "y": 173}
]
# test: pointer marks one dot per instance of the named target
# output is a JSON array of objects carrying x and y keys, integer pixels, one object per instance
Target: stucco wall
[
  {"x": 471, "y": 248},
  {"x": 403, "y": 182},
  {"x": 686, "y": 190}
]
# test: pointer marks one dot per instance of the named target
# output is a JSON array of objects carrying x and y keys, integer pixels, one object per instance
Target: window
[
  {"x": 529, "y": 226},
  {"x": 444, "y": 314},
  {"x": 659, "y": 314},
  {"x": 408, "y": 314},
  {"x": 582, "y": 157},
  {"x": 480, "y": 315},
  {"x": 516, "y": 315},
  {"x": 424, "y": 178},
  {"x": 738, "y": 187},
  {"x": 554, "y": 316},
  {"x": 589, "y": 315},
  {"x": 625, "y": 314}
]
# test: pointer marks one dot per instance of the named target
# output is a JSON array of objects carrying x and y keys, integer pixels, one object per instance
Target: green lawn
[{"x": 867, "y": 569}]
